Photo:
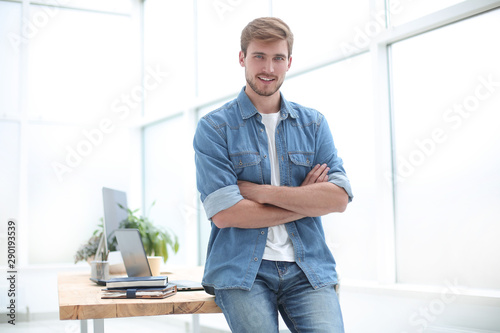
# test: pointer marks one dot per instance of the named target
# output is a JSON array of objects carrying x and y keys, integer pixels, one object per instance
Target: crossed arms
[{"x": 267, "y": 205}]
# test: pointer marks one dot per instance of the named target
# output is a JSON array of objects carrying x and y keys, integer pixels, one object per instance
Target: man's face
[{"x": 266, "y": 64}]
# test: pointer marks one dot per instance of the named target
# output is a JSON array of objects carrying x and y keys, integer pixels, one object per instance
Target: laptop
[
  {"x": 129, "y": 240},
  {"x": 187, "y": 285},
  {"x": 136, "y": 261},
  {"x": 133, "y": 254}
]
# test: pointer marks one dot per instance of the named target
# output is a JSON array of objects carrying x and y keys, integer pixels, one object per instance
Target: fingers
[
  {"x": 323, "y": 177},
  {"x": 309, "y": 176},
  {"x": 318, "y": 174}
]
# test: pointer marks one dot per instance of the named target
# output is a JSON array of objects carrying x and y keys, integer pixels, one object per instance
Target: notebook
[
  {"x": 137, "y": 282},
  {"x": 163, "y": 292}
]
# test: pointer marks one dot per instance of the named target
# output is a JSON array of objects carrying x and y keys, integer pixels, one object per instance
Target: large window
[
  {"x": 329, "y": 32},
  {"x": 70, "y": 80},
  {"x": 78, "y": 73},
  {"x": 446, "y": 120},
  {"x": 10, "y": 17},
  {"x": 10, "y": 44},
  {"x": 402, "y": 11},
  {"x": 343, "y": 93},
  {"x": 169, "y": 48},
  {"x": 169, "y": 182}
]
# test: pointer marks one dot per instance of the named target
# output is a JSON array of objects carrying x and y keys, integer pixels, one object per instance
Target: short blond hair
[{"x": 267, "y": 29}]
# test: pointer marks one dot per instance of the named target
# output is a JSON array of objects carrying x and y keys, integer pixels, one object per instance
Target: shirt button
[
  {"x": 265, "y": 156},
  {"x": 262, "y": 130},
  {"x": 262, "y": 232},
  {"x": 255, "y": 259}
]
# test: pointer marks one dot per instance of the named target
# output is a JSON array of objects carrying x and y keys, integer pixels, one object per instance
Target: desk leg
[
  {"x": 83, "y": 326},
  {"x": 98, "y": 325},
  {"x": 196, "y": 323}
]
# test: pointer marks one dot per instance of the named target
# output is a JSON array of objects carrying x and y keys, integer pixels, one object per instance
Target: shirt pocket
[
  {"x": 247, "y": 166},
  {"x": 300, "y": 165}
]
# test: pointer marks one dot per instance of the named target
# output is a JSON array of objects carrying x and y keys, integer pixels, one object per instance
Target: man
[{"x": 266, "y": 170}]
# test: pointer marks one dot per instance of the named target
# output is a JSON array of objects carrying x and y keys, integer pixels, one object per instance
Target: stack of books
[{"x": 139, "y": 287}]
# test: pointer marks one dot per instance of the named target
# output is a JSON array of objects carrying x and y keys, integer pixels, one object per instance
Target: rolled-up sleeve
[
  {"x": 340, "y": 179},
  {"x": 216, "y": 178},
  {"x": 221, "y": 199},
  {"x": 327, "y": 153}
]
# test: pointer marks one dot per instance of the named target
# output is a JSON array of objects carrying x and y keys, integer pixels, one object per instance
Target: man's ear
[
  {"x": 289, "y": 62},
  {"x": 242, "y": 59}
]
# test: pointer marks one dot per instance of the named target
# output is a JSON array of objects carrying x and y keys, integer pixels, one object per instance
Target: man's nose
[{"x": 269, "y": 66}]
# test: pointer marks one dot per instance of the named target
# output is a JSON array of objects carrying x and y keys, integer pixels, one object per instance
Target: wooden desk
[{"x": 80, "y": 299}]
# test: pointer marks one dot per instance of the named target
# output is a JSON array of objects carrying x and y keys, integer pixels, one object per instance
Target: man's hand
[
  {"x": 267, "y": 205},
  {"x": 250, "y": 190},
  {"x": 318, "y": 174},
  {"x": 255, "y": 192},
  {"x": 314, "y": 197}
]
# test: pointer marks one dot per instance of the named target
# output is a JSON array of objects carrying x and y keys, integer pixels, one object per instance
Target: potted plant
[
  {"x": 156, "y": 240},
  {"x": 87, "y": 251}
]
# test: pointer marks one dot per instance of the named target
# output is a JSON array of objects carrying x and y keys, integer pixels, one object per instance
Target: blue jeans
[{"x": 281, "y": 286}]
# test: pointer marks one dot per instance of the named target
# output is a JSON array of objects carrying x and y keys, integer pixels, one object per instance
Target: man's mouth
[{"x": 265, "y": 79}]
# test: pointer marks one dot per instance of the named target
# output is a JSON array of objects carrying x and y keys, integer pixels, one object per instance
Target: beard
[{"x": 252, "y": 82}]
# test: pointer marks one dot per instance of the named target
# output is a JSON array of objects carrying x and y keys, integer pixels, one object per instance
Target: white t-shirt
[{"x": 278, "y": 246}]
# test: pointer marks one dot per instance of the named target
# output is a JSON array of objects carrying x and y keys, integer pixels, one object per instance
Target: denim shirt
[{"x": 230, "y": 145}]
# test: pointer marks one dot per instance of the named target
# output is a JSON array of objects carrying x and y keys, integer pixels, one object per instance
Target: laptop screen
[{"x": 133, "y": 254}]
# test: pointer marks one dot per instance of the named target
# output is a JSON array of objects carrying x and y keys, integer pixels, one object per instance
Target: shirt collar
[{"x": 248, "y": 110}]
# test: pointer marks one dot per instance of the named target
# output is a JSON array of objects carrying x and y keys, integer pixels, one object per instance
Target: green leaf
[{"x": 156, "y": 240}]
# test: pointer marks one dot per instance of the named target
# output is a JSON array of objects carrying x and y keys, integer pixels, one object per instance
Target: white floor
[
  {"x": 209, "y": 323},
  {"x": 120, "y": 325}
]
